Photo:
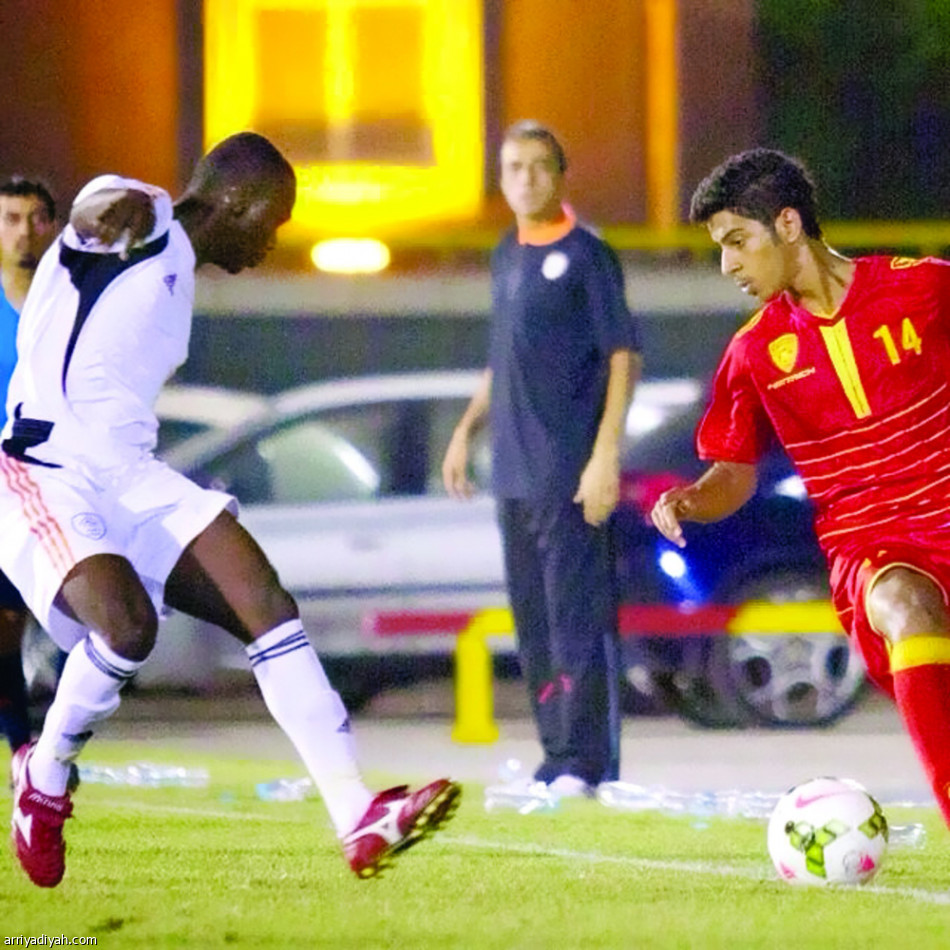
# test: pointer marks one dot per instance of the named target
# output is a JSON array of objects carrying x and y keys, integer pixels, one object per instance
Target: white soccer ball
[{"x": 827, "y": 831}]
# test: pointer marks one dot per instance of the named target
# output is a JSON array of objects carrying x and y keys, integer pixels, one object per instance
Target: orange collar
[{"x": 549, "y": 231}]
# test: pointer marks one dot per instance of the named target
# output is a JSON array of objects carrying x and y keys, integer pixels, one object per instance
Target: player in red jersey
[{"x": 847, "y": 363}]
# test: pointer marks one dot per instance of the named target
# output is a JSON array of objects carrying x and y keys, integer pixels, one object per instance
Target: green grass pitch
[{"x": 216, "y": 867}]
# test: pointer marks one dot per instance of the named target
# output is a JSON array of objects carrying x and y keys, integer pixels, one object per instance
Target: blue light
[
  {"x": 791, "y": 487},
  {"x": 672, "y": 564}
]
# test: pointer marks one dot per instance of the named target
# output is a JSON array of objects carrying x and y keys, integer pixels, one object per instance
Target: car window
[
  {"x": 415, "y": 444},
  {"x": 374, "y": 450},
  {"x": 311, "y": 462},
  {"x": 301, "y": 463},
  {"x": 332, "y": 456}
]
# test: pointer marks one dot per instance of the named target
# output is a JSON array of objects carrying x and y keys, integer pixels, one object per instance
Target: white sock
[
  {"x": 88, "y": 691},
  {"x": 304, "y": 704}
]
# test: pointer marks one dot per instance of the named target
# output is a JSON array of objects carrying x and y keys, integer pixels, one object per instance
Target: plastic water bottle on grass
[
  {"x": 701, "y": 807},
  {"x": 627, "y": 796},
  {"x": 913, "y": 835},
  {"x": 518, "y": 792},
  {"x": 524, "y": 799},
  {"x": 284, "y": 789},
  {"x": 144, "y": 775},
  {"x": 732, "y": 803}
]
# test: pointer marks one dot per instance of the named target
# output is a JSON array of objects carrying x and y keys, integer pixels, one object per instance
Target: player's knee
[
  {"x": 904, "y": 603},
  {"x": 133, "y": 630}
]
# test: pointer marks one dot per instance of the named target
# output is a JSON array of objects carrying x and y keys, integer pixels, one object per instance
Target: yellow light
[
  {"x": 350, "y": 256},
  {"x": 662, "y": 113},
  {"x": 405, "y": 73}
]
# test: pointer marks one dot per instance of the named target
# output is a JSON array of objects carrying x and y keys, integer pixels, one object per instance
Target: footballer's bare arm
[{"x": 719, "y": 492}]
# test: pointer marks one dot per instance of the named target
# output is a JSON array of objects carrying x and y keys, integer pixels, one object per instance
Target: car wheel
[
  {"x": 685, "y": 676},
  {"x": 642, "y": 693},
  {"x": 792, "y": 679}
]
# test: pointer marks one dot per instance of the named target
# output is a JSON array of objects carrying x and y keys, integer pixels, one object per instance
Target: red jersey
[{"x": 860, "y": 400}]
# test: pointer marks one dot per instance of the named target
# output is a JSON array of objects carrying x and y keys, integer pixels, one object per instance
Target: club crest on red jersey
[
  {"x": 784, "y": 351},
  {"x": 902, "y": 263}
]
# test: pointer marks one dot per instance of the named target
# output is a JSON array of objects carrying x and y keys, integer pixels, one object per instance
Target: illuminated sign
[{"x": 377, "y": 103}]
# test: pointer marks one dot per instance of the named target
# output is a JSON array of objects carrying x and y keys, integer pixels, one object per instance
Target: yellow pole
[
  {"x": 662, "y": 113},
  {"x": 474, "y": 696}
]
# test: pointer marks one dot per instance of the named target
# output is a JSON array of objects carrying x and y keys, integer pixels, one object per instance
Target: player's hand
[
  {"x": 599, "y": 488},
  {"x": 666, "y": 515},
  {"x": 455, "y": 468},
  {"x": 115, "y": 217},
  {"x": 128, "y": 221}
]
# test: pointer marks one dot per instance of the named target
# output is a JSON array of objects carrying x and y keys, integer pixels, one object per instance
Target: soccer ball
[{"x": 827, "y": 831}]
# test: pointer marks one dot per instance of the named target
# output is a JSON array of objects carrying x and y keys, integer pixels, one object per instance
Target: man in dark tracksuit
[{"x": 563, "y": 362}]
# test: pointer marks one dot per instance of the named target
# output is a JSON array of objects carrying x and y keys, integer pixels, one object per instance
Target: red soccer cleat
[
  {"x": 395, "y": 820},
  {"x": 37, "y": 827}
]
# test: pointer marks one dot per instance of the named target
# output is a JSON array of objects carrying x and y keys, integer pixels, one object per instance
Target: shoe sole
[
  {"x": 437, "y": 813},
  {"x": 434, "y": 816}
]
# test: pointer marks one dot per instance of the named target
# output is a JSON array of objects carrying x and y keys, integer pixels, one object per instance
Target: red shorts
[{"x": 852, "y": 574}]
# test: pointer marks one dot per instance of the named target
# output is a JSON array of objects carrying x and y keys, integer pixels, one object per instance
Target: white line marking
[
  {"x": 198, "y": 812},
  {"x": 749, "y": 872},
  {"x": 687, "y": 867}
]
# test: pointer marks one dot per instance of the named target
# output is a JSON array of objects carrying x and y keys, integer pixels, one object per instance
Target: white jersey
[{"x": 98, "y": 338}]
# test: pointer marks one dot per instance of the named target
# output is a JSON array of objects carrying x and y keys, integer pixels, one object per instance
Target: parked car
[
  {"x": 341, "y": 484},
  {"x": 340, "y": 481}
]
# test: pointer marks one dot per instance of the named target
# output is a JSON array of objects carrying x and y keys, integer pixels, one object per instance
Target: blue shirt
[
  {"x": 558, "y": 313},
  {"x": 9, "y": 319}
]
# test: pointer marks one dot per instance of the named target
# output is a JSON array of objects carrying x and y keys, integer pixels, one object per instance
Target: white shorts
[{"x": 53, "y": 518}]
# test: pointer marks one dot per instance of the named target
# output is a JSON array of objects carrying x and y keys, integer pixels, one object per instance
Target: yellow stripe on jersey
[
  {"x": 920, "y": 651},
  {"x": 750, "y": 323},
  {"x": 842, "y": 359}
]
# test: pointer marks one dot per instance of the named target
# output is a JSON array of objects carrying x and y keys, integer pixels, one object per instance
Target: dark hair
[
  {"x": 18, "y": 187},
  {"x": 758, "y": 184},
  {"x": 529, "y": 129}
]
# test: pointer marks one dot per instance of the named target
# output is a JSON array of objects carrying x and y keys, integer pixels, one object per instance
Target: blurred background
[{"x": 392, "y": 112}]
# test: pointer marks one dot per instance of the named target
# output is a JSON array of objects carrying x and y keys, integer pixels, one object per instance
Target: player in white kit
[{"x": 99, "y": 534}]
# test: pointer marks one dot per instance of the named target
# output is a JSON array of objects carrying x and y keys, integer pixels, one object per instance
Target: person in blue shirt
[
  {"x": 27, "y": 228},
  {"x": 563, "y": 361}
]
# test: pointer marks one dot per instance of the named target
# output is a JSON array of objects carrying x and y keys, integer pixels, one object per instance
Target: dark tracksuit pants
[{"x": 562, "y": 588}]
